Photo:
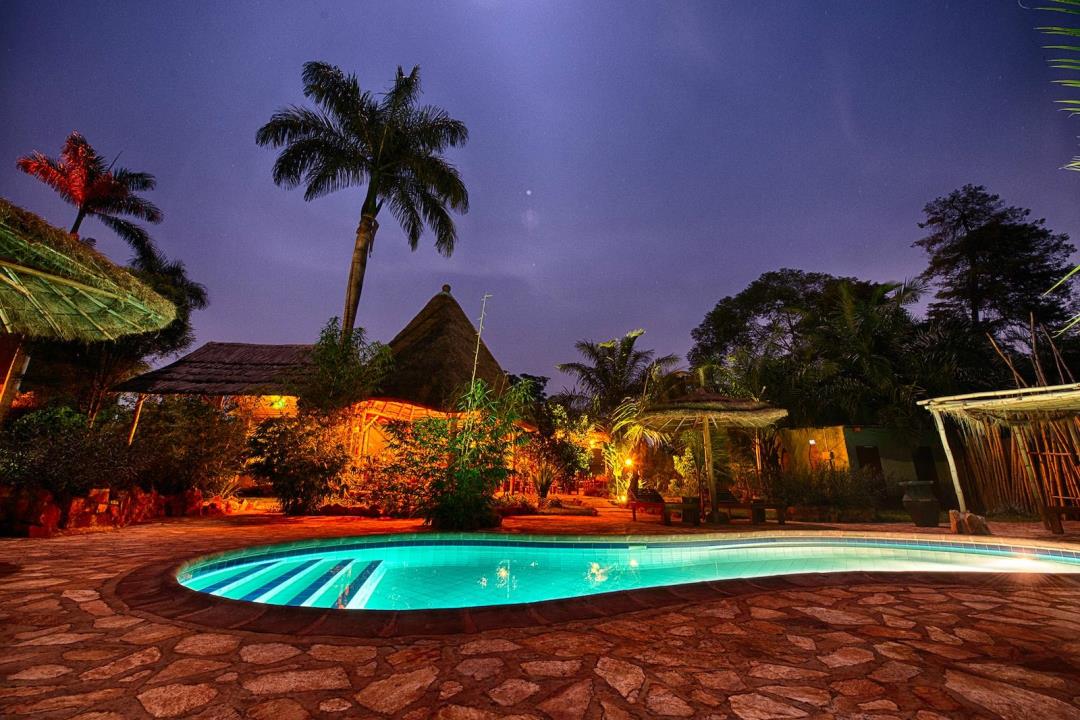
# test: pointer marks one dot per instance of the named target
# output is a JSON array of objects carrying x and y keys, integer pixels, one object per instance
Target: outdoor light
[
  {"x": 622, "y": 498},
  {"x": 813, "y": 442},
  {"x": 628, "y": 462}
]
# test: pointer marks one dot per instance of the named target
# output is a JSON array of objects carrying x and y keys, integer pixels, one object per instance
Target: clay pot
[{"x": 920, "y": 502}]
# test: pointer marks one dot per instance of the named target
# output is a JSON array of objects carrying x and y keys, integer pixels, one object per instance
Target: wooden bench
[
  {"x": 649, "y": 500},
  {"x": 689, "y": 512},
  {"x": 756, "y": 509}
]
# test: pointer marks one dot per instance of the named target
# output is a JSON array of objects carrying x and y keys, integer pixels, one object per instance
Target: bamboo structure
[
  {"x": 707, "y": 410},
  {"x": 1020, "y": 449}
]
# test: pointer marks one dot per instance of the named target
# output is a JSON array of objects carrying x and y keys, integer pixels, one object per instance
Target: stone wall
[{"x": 37, "y": 513}]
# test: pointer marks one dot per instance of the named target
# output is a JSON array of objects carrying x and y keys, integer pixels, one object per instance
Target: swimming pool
[{"x": 429, "y": 571}]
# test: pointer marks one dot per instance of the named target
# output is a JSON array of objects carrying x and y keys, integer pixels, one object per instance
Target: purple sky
[{"x": 630, "y": 163}]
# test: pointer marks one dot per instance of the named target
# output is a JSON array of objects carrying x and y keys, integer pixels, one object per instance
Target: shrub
[
  {"x": 301, "y": 457},
  {"x": 185, "y": 443},
  {"x": 478, "y": 445},
  {"x": 341, "y": 374},
  {"x": 56, "y": 449},
  {"x": 840, "y": 490},
  {"x": 507, "y": 505},
  {"x": 393, "y": 484}
]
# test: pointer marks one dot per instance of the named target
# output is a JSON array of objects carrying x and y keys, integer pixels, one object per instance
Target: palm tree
[
  {"x": 97, "y": 189},
  {"x": 615, "y": 370},
  {"x": 1067, "y": 58},
  {"x": 388, "y": 143}
]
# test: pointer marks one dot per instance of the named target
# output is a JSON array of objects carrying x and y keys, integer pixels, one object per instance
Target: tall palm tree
[
  {"x": 82, "y": 177},
  {"x": 615, "y": 370},
  {"x": 389, "y": 143}
]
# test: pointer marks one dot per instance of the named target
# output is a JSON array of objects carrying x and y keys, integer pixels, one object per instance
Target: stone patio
[{"x": 851, "y": 646}]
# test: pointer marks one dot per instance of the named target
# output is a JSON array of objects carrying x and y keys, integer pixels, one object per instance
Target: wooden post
[
  {"x": 13, "y": 363},
  {"x": 707, "y": 439},
  {"x": 135, "y": 417},
  {"x": 952, "y": 461},
  {"x": 757, "y": 452}
]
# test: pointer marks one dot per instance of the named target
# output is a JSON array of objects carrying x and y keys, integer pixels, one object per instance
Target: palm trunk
[
  {"x": 365, "y": 235},
  {"x": 78, "y": 221}
]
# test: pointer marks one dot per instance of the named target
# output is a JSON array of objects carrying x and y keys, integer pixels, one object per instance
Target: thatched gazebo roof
[
  {"x": 226, "y": 369},
  {"x": 54, "y": 286},
  {"x": 433, "y": 357},
  {"x": 690, "y": 410}
]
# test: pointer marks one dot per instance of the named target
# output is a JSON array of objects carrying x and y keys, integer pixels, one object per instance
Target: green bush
[
  {"x": 302, "y": 458},
  {"x": 185, "y": 443},
  {"x": 506, "y": 505},
  {"x": 475, "y": 465},
  {"x": 58, "y": 450}
]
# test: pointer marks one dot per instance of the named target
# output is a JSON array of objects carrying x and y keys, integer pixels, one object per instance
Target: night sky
[{"x": 630, "y": 163}]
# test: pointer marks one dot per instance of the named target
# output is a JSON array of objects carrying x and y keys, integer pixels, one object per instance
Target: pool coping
[{"x": 154, "y": 591}]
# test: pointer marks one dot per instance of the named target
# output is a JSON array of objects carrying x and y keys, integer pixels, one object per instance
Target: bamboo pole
[
  {"x": 707, "y": 439},
  {"x": 1052, "y": 521},
  {"x": 951, "y": 460},
  {"x": 135, "y": 418}
]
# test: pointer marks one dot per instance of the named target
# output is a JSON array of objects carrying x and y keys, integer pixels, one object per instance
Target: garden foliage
[
  {"x": 301, "y": 457},
  {"x": 181, "y": 444}
]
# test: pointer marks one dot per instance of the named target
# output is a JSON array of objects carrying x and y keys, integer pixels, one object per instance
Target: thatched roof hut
[
  {"x": 54, "y": 286},
  {"x": 433, "y": 360}
]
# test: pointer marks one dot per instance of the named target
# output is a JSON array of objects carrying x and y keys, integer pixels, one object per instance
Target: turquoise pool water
[{"x": 413, "y": 572}]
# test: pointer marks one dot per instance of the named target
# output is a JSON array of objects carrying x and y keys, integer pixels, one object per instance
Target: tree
[
  {"x": 390, "y": 143},
  {"x": 615, "y": 370},
  {"x": 864, "y": 340},
  {"x": 342, "y": 374},
  {"x": 827, "y": 349},
  {"x": 992, "y": 265},
  {"x": 98, "y": 189},
  {"x": 769, "y": 313}
]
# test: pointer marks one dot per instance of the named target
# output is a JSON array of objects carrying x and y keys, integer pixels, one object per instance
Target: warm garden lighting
[{"x": 680, "y": 442}]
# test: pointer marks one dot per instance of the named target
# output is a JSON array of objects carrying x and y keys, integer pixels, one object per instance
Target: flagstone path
[{"x": 71, "y": 648}]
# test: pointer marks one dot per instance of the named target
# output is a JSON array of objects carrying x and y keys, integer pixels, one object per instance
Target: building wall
[
  {"x": 840, "y": 446},
  {"x": 829, "y": 448}
]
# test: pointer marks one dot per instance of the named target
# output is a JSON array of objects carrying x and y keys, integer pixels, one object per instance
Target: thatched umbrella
[
  {"x": 53, "y": 286},
  {"x": 706, "y": 410}
]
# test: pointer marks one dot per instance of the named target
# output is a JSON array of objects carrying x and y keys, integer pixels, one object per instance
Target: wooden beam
[
  {"x": 59, "y": 279},
  {"x": 13, "y": 362},
  {"x": 135, "y": 418},
  {"x": 949, "y": 457}
]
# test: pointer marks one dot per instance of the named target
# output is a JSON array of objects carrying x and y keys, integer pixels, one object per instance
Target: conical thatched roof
[
  {"x": 226, "y": 369},
  {"x": 53, "y": 286},
  {"x": 433, "y": 357}
]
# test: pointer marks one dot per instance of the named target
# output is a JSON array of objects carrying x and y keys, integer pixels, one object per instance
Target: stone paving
[{"x": 893, "y": 649}]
